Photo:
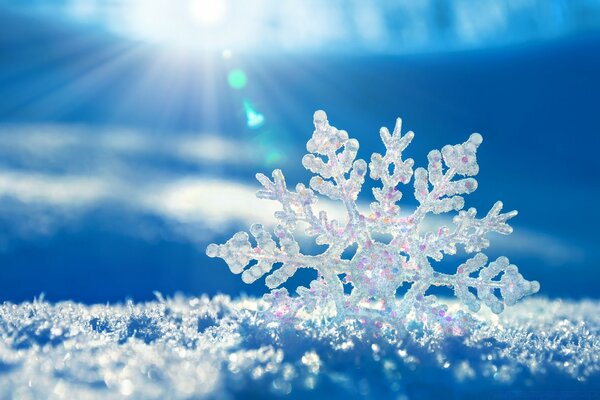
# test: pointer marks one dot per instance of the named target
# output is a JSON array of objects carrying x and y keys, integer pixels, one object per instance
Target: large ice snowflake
[{"x": 378, "y": 268}]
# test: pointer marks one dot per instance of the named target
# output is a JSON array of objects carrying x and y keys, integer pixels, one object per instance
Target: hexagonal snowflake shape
[{"x": 378, "y": 268}]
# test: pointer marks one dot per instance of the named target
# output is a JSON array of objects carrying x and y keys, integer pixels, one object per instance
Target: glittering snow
[{"x": 222, "y": 348}]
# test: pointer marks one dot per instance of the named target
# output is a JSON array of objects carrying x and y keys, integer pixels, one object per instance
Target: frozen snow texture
[
  {"x": 219, "y": 348},
  {"x": 378, "y": 268}
]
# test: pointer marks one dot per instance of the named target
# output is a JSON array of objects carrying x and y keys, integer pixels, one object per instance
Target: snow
[{"x": 188, "y": 347}]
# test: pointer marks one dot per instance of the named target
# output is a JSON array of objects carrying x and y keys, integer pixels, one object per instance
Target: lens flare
[
  {"x": 273, "y": 157},
  {"x": 254, "y": 119},
  {"x": 237, "y": 79}
]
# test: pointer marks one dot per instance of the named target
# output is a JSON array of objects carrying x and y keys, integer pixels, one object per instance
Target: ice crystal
[{"x": 378, "y": 269}]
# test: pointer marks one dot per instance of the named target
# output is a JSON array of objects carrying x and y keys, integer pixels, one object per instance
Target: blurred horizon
[{"x": 125, "y": 148}]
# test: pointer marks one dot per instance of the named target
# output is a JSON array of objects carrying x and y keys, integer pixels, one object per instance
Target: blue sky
[{"x": 125, "y": 149}]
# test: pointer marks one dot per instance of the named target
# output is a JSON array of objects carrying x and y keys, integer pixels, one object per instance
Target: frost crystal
[{"x": 378, "y": 268}]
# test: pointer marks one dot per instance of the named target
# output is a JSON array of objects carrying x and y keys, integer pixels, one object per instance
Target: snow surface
[{"x": 219, "y": 348}]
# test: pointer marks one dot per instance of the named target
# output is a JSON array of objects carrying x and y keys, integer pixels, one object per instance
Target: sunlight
[
  {"x": 190, "y": 24},
  {"x": 208, "y": 12},
  {"x": 386, "y": 26}
]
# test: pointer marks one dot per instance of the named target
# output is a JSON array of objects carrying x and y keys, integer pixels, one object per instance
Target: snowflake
[{"x": 378, "y": 268}]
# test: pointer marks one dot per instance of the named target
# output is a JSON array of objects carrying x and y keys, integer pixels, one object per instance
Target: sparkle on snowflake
[{"x": 378, "y": 269}]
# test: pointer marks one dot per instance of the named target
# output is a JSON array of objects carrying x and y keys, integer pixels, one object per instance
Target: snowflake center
[{"x": 377, "y": 268}]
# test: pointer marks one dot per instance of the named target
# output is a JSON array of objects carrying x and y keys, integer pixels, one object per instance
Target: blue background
[{"x": 532, "y": 90}]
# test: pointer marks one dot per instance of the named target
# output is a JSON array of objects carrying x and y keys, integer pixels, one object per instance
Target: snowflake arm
[
  {"x": 511, "y": 285},
  {"x": 330, "y": 179},
  {"x": 445, "y": 194},
  {"x": 298, "y": 207},
  {"x": 238, "y": 252},
  {"x": 331, "y": 157},
  {"x": 469, "y": 232},
  {"x": 388, "y": 195}
]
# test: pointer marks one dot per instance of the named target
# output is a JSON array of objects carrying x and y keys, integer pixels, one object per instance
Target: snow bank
[{"x": 219, "y": 348}]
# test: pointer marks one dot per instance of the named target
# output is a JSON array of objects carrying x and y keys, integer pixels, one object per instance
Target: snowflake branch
[
  {"x": 298, "y": 206},
  {"x": 470, "y": 232},
  {"x": 388, "y": 195},
  {"x": 460, "y": 159},
  {"x": 511, "y": 285},
  {"x": 327, "y": 141},
  {"x": 238, "y": 252},
  {"x": 416, "y": 291}
]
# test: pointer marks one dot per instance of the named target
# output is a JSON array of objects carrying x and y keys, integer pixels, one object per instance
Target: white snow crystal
[{"x": 378, "y": 268}]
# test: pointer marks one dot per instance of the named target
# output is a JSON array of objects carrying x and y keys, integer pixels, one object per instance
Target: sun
[{"x": 207, "y": 12}]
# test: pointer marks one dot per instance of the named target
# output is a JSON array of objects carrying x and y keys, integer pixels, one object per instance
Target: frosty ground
[{"x": 220, "y": 348}]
